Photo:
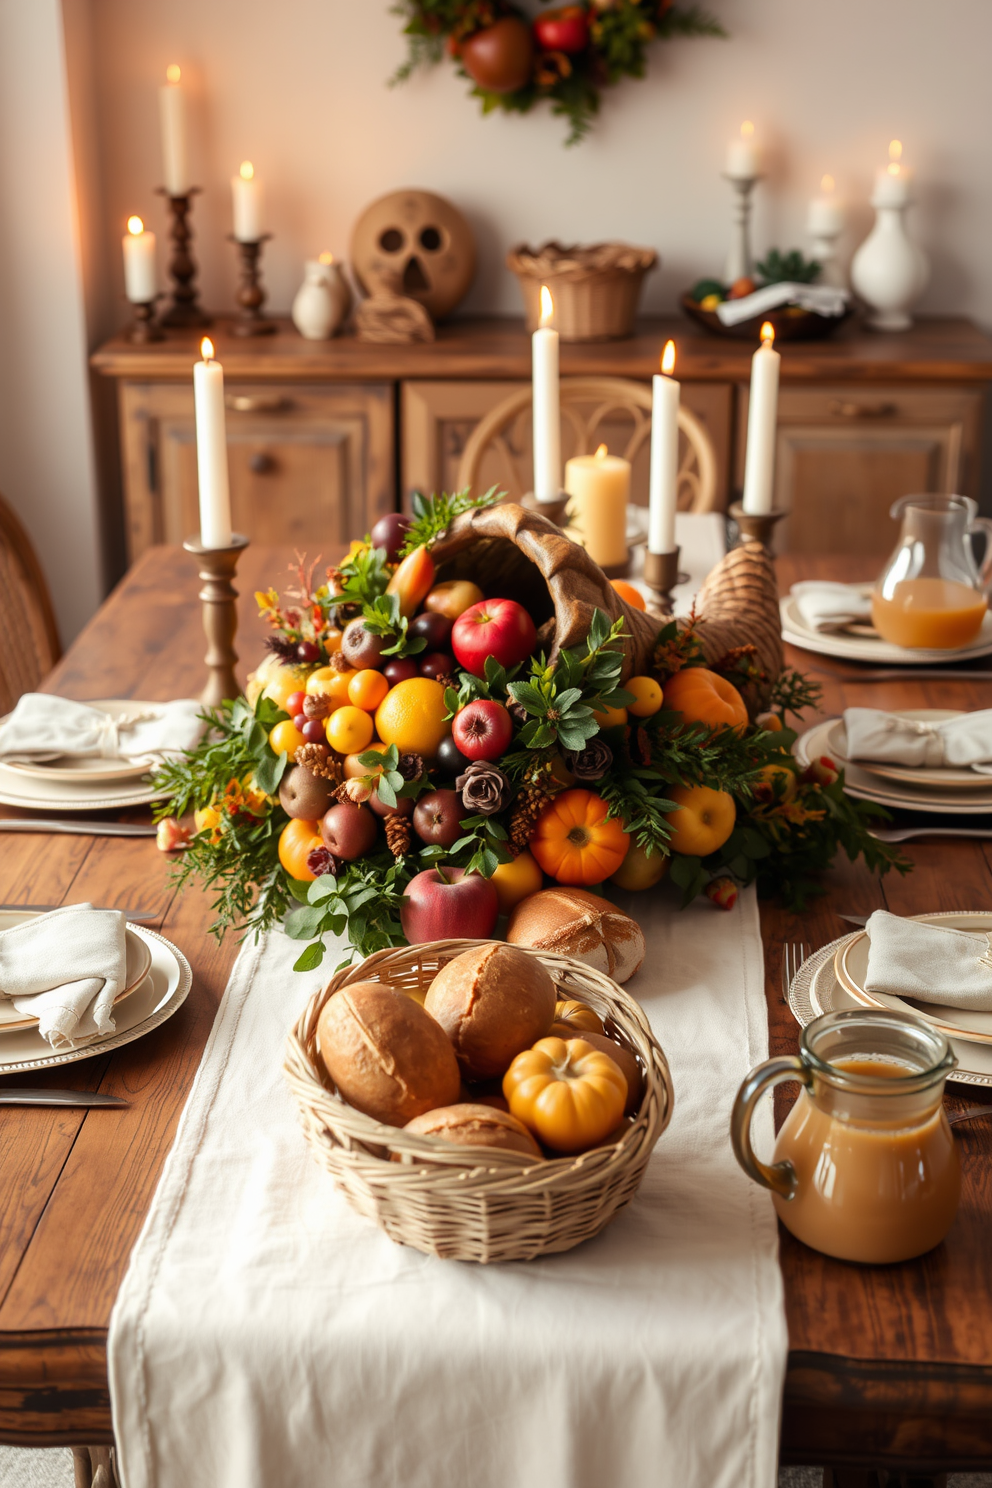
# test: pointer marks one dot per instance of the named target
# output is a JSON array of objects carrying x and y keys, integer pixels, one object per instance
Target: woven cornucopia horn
[{"x": 520, "y": 555}]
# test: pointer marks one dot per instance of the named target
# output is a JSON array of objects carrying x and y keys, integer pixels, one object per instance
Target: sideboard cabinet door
[
  {"x": 845, "y": 454},
  {"x": 310, "y": 467}
]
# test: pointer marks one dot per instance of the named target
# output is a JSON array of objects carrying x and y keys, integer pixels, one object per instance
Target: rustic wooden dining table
[{"x": 890, "y": 1367}]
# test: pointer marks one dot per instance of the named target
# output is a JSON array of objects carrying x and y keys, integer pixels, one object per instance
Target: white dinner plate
[
  {"x": 54, "y": 795},
  {"x": 933, "y": 777},
  {"x": 815, "y": 990},
  {"x": 873, "y": 648},
  {"x": 851, "y": 970},
  {"x": 139, "y": 960},
  {"x": 163, "y": 990},
  {"x": 90, "y": 770},
  {"x": 867, "y": 787}
]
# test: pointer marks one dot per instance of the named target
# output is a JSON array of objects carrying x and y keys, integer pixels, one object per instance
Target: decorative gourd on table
[{"x": 576, "y": 841}]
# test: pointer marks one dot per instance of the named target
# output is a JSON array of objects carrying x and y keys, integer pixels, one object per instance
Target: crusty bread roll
[
  {"x": 385, "y": 1054},
  {"x": 492, "y": 1002},
  {"x": 576, "y": 923},
  {"x": 476, "y": 1126}
]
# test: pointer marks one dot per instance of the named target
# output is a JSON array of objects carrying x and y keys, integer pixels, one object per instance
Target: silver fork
[
  {"x": 906, "y": 834},
  {"x": 794, "y": 953}
]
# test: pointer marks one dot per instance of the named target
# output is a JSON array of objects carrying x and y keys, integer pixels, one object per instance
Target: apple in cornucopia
[{"x": 490, "y": 1014}]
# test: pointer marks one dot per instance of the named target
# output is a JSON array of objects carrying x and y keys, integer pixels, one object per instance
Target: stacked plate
[
  {"x": 960, "y": 792},
  {"x": 93, "y": 784},
  {"x": 157, "y": 983},
  {"x": 863, "y": 643},
  {"x": 833, "y": 979}
]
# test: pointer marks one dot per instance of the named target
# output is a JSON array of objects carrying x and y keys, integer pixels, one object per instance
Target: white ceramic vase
[
  {"x": 322, "y": 301},
  {"x": 889, "y": 271}
]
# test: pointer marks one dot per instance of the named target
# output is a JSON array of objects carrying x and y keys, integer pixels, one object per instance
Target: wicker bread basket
[
  {"x": 477, "y": 1203},
  {"x": 595, "y": 289}
]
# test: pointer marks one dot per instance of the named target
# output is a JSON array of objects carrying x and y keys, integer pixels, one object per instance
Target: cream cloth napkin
[
  {"x": 929, "y": 963},
  {"x": 45, "y": 727},
  {"x": 266, "y": 1334},
  {"x": 873, "y": 734},
  {"x": 65, "y": 969},
  {"x": 825, "y": 299},
  {"x": 826, "y": 606}
]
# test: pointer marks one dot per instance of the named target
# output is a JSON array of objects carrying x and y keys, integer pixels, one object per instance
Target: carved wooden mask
[{"x": 417, "y": 244}]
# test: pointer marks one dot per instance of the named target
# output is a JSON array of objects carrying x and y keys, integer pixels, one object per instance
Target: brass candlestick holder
[
  {"x": 251, "y": 296},
  {"x": 556, "y": 511},
  {"x": 144, "y": 327},
  {"x": 757, "y": 526},
  {"x": 220, "y": 615},
  {"x": 661, "y": 574},
  {"x": 184, "y": 309}
]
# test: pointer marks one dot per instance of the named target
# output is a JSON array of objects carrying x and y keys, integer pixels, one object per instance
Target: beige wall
[{"x": 300, "y": 88}]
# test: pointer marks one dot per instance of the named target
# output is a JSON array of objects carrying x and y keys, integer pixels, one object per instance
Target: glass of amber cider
[{"x": 932, "y": 592}]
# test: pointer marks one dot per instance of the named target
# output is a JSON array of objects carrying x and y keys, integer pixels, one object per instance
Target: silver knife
[
  {"x": 77, "y": 828},
  {"x": 135, "y": 916},
  {"x": 32, "y": 1096}
]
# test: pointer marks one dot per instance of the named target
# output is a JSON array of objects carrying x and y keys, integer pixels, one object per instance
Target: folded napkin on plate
[
  {"x": 824, "y": 299},
  {"x": 44, "y": 727},
  {"x": 65, "y": 969},
  {"x": 826, "y": 607},
  {"x": 929, "y": 962},
  {"x": 873, "y": 734}
]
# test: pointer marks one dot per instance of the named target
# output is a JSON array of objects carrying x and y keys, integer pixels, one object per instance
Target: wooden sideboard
[{"x": 325, "y": 436}]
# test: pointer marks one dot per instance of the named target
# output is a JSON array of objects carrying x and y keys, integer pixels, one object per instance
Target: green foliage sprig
[
  {"x": 383, "y": 617},
  {"x": 364, "y": 900},
  {"x": 560, "y": 699},
  {"x": 433, "y": 515},
  {"x": 783, "y": 268},
  {"x": 361, "y": 577}
]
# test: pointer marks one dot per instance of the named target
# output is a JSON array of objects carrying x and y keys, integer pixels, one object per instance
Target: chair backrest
[
  {"x": 29, "y": 640},
  {"x": 591, "y": 407}
]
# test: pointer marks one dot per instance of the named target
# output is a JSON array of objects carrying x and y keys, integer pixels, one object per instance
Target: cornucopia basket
[{"x": 477, "y": 1203}]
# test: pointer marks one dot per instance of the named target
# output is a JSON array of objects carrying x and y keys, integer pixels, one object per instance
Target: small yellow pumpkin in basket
[{"x": 572, "y": 1019}]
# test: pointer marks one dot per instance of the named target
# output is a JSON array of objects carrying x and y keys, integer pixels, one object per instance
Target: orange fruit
[
  {"x": 626, "y": 591},
  {"x": 285, "y": 738},
  {"x": 367, "y": 688},
  {"x": 514, "y": 881},
  {"x": 349, "y": 730},
  {"x": 353, "y": 762},
  {"x": 610, "y": 717},
  {"x": 297, "y": 840},
  {"x": 331, "y": 684},
  {"x": 411, "y": 716},
  {"x": 648, "y": 694},
  {"x": 702, "y": 696},
  {"x": 703, "y": 822}
]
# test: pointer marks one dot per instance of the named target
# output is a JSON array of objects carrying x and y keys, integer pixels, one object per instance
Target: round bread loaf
[
  {"x": 476, "y": 1126},
  {"x": 387, "y": 1057},
  {"x": 575, "y": 923},
  {"x": 492, "y": 1002}
]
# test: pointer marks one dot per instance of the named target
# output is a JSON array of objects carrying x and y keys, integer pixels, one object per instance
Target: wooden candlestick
[
  {"x": 220, "y": 615},
  {"x": 661, "y": 574},
  {"x": 757, "y": 526},
  {"x": 185, "y": 308},
  {"x": 555, "y": 511},
  {"x": 143, "y": 327},
  {"x": 251, "y": 296}
]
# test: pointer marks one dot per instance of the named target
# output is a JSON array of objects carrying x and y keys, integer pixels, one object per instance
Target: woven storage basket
[
  {"x": 477, "y": 1203},
  {"x": 595, "y": 289}
]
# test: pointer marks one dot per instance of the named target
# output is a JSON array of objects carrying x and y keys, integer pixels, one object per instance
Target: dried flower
[
  {"x": 321, "y": 861},
  {"x": 722, "y": 892},
  {"x": 357, "y": 790},
  {"x": 410, "y": 766},
  {"x": 172, "y": 836},
  {"x": 592, "y": 762},
  {"x": 484, "y": 788}
]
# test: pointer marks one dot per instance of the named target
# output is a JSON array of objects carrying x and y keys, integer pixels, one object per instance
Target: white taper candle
[
  {"x": 762, "y": 420},
  {"x": 211, "y": 449},
  {"x": 666, "y": 393},
  {"x": 139, "y": 262},
  {"x": 172, "y": 118},
  {"x": 546, "y": 410}
]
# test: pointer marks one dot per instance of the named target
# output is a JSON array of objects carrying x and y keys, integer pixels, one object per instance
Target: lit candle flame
[
  {"x": 602, "y": 452},
  {"x": 247, "y": 170},
  {"x": 547, "y": 305},
  {"x": 747, "y": 129},
  {"x": 135, "y": 226},
  {"x": 827, "y": 184},
  {"x": 207, "y": 349},
  {"x": 895, "y": 149},
  {"x": 326, "y": 258},
  {"x": 767, "y": 333},
  {"x": 173, "y": 72},
  {"x": 668, "y": 358}
]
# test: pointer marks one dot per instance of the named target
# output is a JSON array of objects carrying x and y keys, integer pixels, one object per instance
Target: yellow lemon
[{"x": 411, "y": 716}]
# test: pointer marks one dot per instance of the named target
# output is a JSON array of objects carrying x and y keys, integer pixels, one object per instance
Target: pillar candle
[
  {"x": 246, "y": 195},
  {"x": 172, "y": 119},
  {"x": 547, "y": 415},
  {"x": 211, "y": 449},
  {"x": 599, "y": 487},
  {"x": 762, "y": 418},
  {"x": 742, "y": 155},
  {"x": 664, "y": 456},
  {"x": 139, "y": 262},
  {"x": 825, "y": 216},
  {"x": 892, "y": 181}
]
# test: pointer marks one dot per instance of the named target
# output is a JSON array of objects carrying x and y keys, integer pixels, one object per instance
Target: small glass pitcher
[
  {"x": 865, "y": 1167},
  {"x": 932, "y": 592}
]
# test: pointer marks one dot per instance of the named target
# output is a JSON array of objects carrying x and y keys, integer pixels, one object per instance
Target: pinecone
[
  {"x": 398, "y": 835},
  {"x": 339, "y": 662},
  {"x": 410, "y": 766},
  {"x": 316, "y": 707},
  {"x": 447, "y": 680},
  {"x": 531, "y": 801},
  {"x": 318, "y": 759},
  {"x": 356, "y": 790}
]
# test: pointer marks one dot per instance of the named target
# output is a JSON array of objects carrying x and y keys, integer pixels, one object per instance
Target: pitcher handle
[
  {"x": 983, "y": 524},
  {"x": 779, "y": 1177}
]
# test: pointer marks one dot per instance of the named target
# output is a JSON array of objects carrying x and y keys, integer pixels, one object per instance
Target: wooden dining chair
[
  {"x": 29, "y": 640},
  {"x": 594, "y": 411}
]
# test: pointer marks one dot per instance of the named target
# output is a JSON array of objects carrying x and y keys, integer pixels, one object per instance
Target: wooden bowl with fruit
[{"x": 791, "y": 322}]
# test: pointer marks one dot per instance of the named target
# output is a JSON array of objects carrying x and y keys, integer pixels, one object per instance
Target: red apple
[
  {"x": 563, "y": 30},
  {"x": 348, "y": 831},
  {"x": 500, "y": 628},
  {"x": 482, "y": 730},
  {"x": 447, "y": 904},
  {"x": 499, "y": 58},
  {"x": 437, "y": 817}
]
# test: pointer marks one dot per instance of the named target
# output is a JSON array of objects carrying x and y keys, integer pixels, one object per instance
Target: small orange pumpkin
[
  {"x": 567, "y": 1092},
  {"x": 575, "y": 843},
  {"x": 296, "y": 842},
  {"x": 702, "y": 696},
  {"x": 576, "y": 1018}
]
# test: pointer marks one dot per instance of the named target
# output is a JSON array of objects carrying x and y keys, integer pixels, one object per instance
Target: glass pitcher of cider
[{"x": 932, "y": 592}]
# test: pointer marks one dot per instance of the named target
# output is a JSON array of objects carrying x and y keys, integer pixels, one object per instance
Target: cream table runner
[{"x": 267, "y": 1337}]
